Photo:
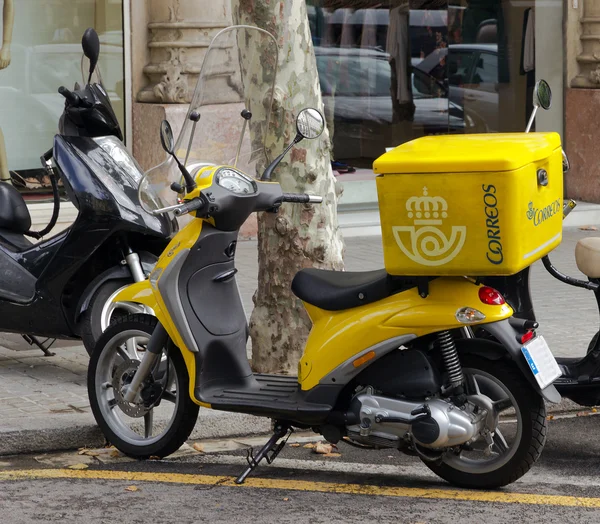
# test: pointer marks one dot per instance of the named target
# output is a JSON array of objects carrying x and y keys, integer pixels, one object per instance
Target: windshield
[{"x": 237, "y": 77}]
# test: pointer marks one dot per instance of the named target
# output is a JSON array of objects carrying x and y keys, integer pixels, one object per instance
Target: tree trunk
[{"x": 299, "y": 236}]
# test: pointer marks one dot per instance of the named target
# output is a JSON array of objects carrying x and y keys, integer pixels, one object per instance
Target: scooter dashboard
[{"x": 235, "y": 181}]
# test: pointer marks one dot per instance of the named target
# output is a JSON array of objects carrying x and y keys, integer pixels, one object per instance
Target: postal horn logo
[{"x": 424, "y": 242}]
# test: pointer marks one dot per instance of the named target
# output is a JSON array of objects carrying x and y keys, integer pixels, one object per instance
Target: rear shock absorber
[{"x": 451, "y": 361}]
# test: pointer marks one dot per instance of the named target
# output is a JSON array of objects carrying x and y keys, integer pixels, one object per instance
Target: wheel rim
[
  {"x": 152, "y": 424},
  {"x": 506, "y": 439}
]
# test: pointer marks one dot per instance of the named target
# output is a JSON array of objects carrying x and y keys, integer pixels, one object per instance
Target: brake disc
[{"x": 121, "y": 380}]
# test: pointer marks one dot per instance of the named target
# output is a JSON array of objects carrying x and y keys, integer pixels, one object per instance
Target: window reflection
[
  {"x": 396, "y": 70},
  {"x": 46, "y": 53}
]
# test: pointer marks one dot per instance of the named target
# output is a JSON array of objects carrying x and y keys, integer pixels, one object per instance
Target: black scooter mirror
[
  {"x": 168, "y": 143},
  {"x": 166, "y": 137},
  {"x": 91, "y": 48},
  {"x": 542, "y": 95},
  {"x": 310, "y": 123}
]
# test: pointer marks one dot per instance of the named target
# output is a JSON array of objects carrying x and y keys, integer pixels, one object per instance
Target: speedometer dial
[{"x": 235, "y": 182}]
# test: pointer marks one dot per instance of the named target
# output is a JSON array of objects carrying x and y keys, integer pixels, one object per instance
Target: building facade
[{"x": 390, "y": 71}]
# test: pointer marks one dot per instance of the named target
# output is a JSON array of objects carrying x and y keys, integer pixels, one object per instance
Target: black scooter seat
[
  {"x": 338, "y": 290},
  {"x": 14, "y": 241}
]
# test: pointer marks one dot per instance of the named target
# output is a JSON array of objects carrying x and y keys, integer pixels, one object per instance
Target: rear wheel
[
  {"x": 516, "y": 438},
  {"x": 163, "y": 415}
]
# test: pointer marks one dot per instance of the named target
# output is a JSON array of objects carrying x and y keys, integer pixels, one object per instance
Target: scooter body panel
[
  {"x": 339, "y": 336},
  {"x": 148, "y": 294}
]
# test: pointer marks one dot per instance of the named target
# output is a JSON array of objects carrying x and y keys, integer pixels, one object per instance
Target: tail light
[
  {"x": 527, "y": 337},
  {"x": 490, "y": 296}
]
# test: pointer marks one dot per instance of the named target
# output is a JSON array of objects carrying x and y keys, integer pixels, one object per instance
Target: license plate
[{"x": 541, "y": 361}]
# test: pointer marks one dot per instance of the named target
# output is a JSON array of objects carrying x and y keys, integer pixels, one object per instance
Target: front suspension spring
[{"x": 450, "y": 356}]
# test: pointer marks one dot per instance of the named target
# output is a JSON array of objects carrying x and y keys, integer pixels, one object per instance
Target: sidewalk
[{"x": 43, "y": 400}]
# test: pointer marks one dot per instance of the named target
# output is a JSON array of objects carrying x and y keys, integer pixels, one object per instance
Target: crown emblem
[{"x": 427, "y": 210}]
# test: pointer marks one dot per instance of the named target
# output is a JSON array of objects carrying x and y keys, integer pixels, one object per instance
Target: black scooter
[
  {"x": 62, "y": 286},
  {"x": 580, "y": 380}
]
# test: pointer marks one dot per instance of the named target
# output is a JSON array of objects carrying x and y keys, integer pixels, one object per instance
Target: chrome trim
[{"x": 135, "y": 266}]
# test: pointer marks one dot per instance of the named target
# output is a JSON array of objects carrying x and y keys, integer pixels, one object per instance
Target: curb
[{"x": 67, "y": 432}]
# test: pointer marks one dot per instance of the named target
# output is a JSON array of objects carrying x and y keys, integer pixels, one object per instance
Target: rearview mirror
[
  {"x": 166, "y": 137},
  {"x": 310, "y": 123},
  {"x": 91, "y": 48},
  {"x": 542, "y": 95}
]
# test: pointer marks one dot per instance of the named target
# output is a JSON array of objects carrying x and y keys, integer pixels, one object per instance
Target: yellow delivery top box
[{"x": 487, "y": 204}]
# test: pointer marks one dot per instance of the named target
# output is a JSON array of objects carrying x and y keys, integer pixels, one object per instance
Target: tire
[
  {"x": 90, "y": 326},
  {"x": 525, "y": 451},
  {"x": 182, "y": 421}
]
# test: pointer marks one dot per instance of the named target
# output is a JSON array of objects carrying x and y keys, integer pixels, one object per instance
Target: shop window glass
[
  {"x": 395, "y": 70},
  {"x": 45, "y": 53},
  {"x": 486, "y": 72}
]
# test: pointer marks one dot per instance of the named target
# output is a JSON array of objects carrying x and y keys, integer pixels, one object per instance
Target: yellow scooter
[{"x": 381, "y": 368}]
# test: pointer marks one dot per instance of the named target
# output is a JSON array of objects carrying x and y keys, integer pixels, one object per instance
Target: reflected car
[
  {"x": 472, "y": 80},
  {"x": 356, "y": 90}
]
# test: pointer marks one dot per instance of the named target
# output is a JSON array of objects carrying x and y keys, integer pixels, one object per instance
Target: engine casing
[{"x": 447, "y": 426}]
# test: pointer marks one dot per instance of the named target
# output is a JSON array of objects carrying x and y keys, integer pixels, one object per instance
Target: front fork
[
  {"x": 158, "y": 340},
  {"x": 135, "y": 266}
]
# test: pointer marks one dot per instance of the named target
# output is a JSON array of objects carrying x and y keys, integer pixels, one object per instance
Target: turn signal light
[
  {"x": 469, "y": 315},
  {"x": 365, "y": 358},
  {"x": 490, "y": 296}
]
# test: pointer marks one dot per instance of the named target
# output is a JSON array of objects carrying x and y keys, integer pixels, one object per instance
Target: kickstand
[
  {"x": 270, "y": 447},
  {"x": 43, "y": 345}
]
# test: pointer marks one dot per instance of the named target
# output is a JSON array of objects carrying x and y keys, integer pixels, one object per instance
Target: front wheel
[
  {"x": 102, "y": 312},
  {"x": 163, "y": 415},
  {"x": 517, "y": 437}
]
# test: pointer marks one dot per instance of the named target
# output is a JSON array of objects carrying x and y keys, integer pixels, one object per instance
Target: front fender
[
  {"x": 139, "y": 293},
  {"x": 148, "y": 261},
  {"x": 143, "y": 293},
  {"x": 113, "y": 273}
]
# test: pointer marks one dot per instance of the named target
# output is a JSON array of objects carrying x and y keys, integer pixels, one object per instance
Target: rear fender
[{"x": 507, "y": 345}]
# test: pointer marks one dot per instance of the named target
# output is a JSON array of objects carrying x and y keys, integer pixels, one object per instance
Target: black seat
[
  {"x": 337, "y": 290},
  {"x": 14, "y": 218},
  {"x": 14, "y": 214}
]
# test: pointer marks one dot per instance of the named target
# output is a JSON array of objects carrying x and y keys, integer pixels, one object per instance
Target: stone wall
[
  {"x": 169, "y": 41},
  {"x": 582, "y": 99}
]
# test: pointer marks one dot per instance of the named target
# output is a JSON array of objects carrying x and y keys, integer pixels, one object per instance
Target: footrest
[{"x": 274, "y": 396}]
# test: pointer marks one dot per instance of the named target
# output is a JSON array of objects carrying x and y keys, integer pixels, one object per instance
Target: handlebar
[
  {"x": 192, "y": 205},
  {"x": 301, "y": 198},
  {"x": 71, "y": 97}
]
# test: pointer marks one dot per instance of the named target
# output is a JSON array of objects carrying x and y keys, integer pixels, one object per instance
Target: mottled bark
[{"x": 299, "y": 236}]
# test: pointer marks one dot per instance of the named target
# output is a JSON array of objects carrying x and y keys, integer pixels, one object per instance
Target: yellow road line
[{"x": 301, "y": 485}]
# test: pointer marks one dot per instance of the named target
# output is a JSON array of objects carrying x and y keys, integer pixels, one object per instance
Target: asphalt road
[{"x": 300, "y": 486}]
